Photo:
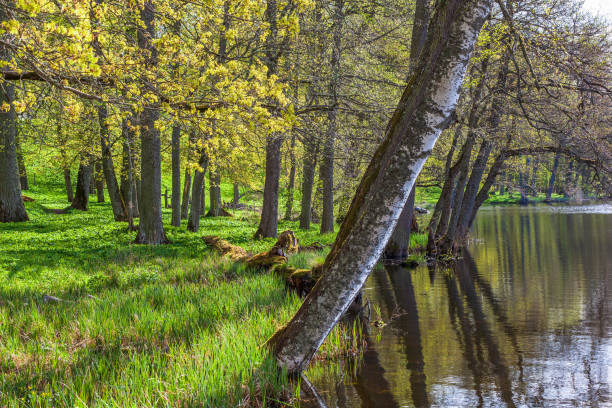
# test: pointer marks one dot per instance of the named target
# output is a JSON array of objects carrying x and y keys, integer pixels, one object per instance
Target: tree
[
  {"x": 424, "y": 109},
  {"x": 150, "y": 228}
]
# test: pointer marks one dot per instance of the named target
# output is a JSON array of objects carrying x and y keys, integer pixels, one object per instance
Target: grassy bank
[{"x": 87, "y": 318}]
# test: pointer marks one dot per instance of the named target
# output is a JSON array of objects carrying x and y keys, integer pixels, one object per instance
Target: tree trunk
[
  {"x": 81, "y": 196},
  {"x": 236, "y": 197},
  {"x": 448, "y": 184},
  {"x": 269, "y": 215},
  {"x": 150, "y": 227},
  {"x": 397, "y": 247},
  {"x": 176, "y": 176},
  {"x": 471, "y": 190},
  {"x": 290, "y": 187},
  {"x": 203, "y": 200},
  {"x": 425, "y": 108},
  {"x": 534, "y": 178},
  {"x": 68, "y": 184},
  {"x": 23, "y": 174},
  {"x": 215, "y": 194},
  {"x": 99, "y": 181},
  {"x": 308, "y": 174},
  {"x": 186, "y": 191},
  {"x": 197, "y": 194},
  {"x": 12, "y": 208},
  {"x": 553, "y": 174},
  {"x": 108, "y": 167},
  {"x": 524, "y": 182},
  {"x": 128, "y": 182},
  {"x": 327, "y": 160}
]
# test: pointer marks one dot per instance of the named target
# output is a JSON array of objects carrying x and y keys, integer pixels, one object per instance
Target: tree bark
[
  {"x": 12, "y": 208},
  {"x": 81, "y": 196},
  {"x": 215, "y": 194},
  {"x": 68, "y": 184},
  {"x": 269, "y": 215},
  {"x": 327, "y": 159},
  {"x": 176, "y": 176},
  {"x": 290, "y": 186},
  {"x": 23, "y": 174},
  {"x": 397, "y": 247},
  {"x": 197, "y": 194},
  {"x": 308, "y": 174},
  {"x": 99, "y": 181},
  {"x": 128, "y": 182},
  {"x": 236, "y": 197},
  {"x": 108, "y": 167},
  {"x": 150, "y": 227},
  {"x": 186, "y": 191},
  {"x": 424, "y": 109}
]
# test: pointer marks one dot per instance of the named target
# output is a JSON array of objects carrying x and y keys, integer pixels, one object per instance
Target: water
[{"x": 524, "y": 319}]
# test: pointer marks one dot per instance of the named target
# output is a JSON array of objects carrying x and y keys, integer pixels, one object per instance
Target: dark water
[{"x": 524, "y": 319}]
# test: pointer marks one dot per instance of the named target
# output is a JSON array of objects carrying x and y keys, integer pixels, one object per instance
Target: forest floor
[{"x": 86, "y": 316}]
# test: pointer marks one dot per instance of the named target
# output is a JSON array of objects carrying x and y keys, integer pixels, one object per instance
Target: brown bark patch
[{"x": 224, "y": 248}]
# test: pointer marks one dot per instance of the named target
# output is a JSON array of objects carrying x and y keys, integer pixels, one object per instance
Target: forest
[{"x": 193, "y": 193}]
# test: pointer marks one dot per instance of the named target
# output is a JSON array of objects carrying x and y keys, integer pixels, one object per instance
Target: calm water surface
[{"x": 524, "y": 319}]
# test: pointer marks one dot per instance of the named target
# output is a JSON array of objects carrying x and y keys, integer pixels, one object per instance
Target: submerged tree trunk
[
  {"x": 12, "y": 208},
  {"x": 308, "y": 174},
  {"x": 268, "y": 224},
  {"x": 176, "y": 176},
  {"x": 81, "y": 196},
  {"x": 215, "y": 194},
  {"x": 424, "y": 109},
  {"x": 150, "y": 227},
  {"x": 553, "y": 174},
  {"x": 68, "y": 184}
]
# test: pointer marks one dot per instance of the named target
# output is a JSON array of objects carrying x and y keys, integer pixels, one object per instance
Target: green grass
[
  {"x": 514, "y": 198},
  {"x": 171, "y": 325}
]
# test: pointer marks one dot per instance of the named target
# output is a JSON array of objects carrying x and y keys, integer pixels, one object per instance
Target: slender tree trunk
[
  {"x": 215, "y": 194},
  {"x": 291, "y": 186},
  {"x": 108, "y": 167},
  {"x": 483, "y": 194},
  {"x": 68, "y": 184},
  {"x": 471, "y": 190},
  {"x": 150, "y": 227},
  {"x": 308, "y": 174},
  {"x": 524, "y": 181},
  {"x": 534, "y": 178},
  {"x": 128, "y": 182},
  {"x": 327, "y": 159},
  {"x": 236, "y": 197},
  {"x": 12, "y": 208},
  {"x": 99, "y": 181},
  {"x": 553, "y": 174},
  {"x": 203, "y": 200},
  {"x": 197, "y": 194},
  {"x": 425, "y": 108},
  {"x": 176, "y": 176},
  {"x": 23, "y": 174},
  {"x": 447, "y": 186},
  {"x": 269, "y": 216},
  {"x": 81, "y": 196},
  {"x": 186, "y": 191}
]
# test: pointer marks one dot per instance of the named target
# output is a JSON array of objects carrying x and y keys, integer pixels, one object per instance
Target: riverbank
[{"x": 87, "y": 316}]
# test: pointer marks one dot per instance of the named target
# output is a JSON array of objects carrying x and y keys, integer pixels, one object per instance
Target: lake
[{"x": 523, "y": 319}]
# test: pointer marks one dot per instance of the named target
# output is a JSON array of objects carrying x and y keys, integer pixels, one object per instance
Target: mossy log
[{"x": 224, "y": 248}]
